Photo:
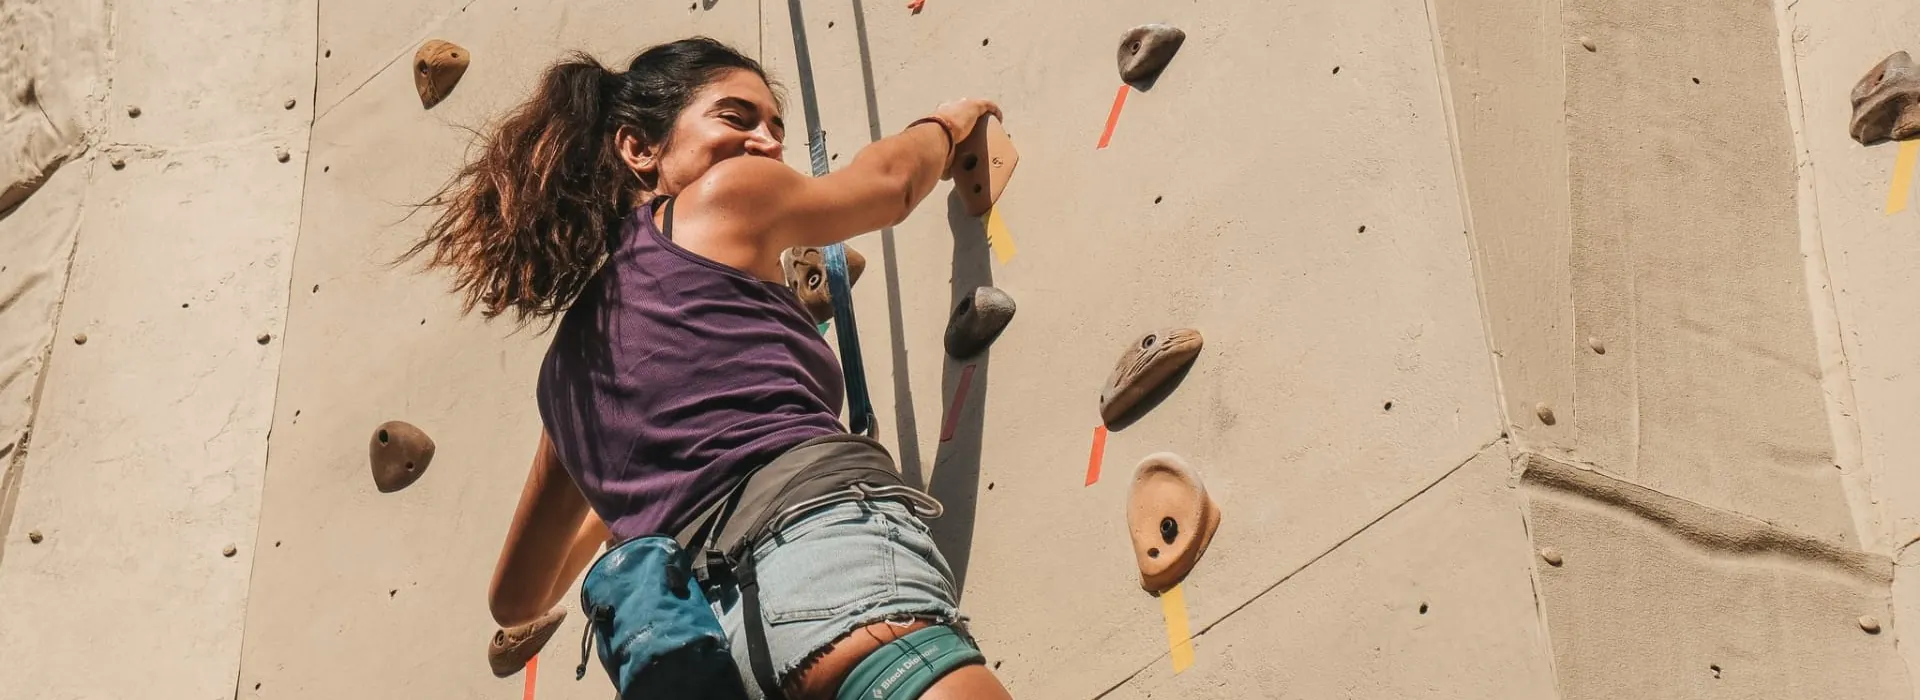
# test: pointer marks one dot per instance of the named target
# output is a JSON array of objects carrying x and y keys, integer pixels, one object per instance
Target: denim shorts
[{"x": 837, "y": 569}]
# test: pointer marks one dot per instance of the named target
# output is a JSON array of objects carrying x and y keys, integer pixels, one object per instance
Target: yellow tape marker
[
  {"x": 997, "y": 237},
  {"x": 1179, "y": 638},
  {"x": 1903, "y": 166}
]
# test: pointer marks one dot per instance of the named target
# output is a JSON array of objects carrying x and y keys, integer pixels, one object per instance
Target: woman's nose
[{"x": 762, "y": 143}]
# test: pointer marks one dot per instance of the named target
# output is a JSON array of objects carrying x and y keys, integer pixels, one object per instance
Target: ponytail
[{"x": 526, "y": 225}]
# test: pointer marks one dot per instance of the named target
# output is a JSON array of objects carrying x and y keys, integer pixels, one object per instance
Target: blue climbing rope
[{"x": 859, "y": 405}]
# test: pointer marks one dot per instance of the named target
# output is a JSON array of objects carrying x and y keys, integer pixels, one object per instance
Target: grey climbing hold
[
  {"x": 1870, "y": 624},
  {"x": 34, "y": 537},
  {"x": 1551, "y": 555},
  {"x": 1146, "y": 49},
  {"x": 133, "y": 111},
  {"x": 399, "y": 453},
  {"x": 437, "y": 67},
  {"x": 79, "y": 339},
  {"x": 1598, "y": 347},
  {"x": 229, "y": 551},
  {"x": 512, "y": 647},
  {"x": 1886, "y": 102},
  {"x": 1544, "y": 413},
  {"x": 976, "y": 321},
  {"x": 1148, "y": 363}
]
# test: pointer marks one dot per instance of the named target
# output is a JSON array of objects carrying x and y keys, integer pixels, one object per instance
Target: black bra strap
[{"x": 668, "y": 229}]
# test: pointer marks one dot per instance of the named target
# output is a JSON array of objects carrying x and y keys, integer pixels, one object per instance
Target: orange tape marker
[
  {"x": 959, "y": 402},
  {"x": 1904, "y": 162},
  {"x": 533, "y": 673},
  {"x": 1113, "y": 117},
  {"x": 1099, "y": 453}
]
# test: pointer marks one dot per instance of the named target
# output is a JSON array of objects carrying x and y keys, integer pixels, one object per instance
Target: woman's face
[{"x": 734, "y": 115}]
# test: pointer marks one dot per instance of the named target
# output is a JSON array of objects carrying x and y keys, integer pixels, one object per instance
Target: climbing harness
[
  {"x": 859, "y": 404},
  {"x": 906, "y": 667}
]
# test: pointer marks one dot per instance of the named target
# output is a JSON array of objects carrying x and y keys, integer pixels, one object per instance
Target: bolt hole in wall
[
  {"x": 1423, "y": 608},
  {"x": 1388, "y": 406}
]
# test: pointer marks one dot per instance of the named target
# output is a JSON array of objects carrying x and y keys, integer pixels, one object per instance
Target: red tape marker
[
  {"x": 959, "y": 402},
  {"x": 1113, "y": 117},
  {"x": 533, "y": 672},
  {"x": 1099, "y": 453}
]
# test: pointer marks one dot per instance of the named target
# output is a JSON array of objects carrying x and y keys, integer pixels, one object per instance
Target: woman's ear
[{"x": 643, "y": 159}]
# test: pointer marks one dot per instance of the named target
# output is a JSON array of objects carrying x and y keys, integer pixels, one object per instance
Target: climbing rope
[{"x": 859, "y": 405}]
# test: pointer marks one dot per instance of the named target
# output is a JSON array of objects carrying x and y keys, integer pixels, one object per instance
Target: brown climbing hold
[
  {"x": 290, "y": 103},
  {"x": 1148, "y": 363},
  {"x": 229, "y": 551},
  {"x": 79, "y": 339},
  {"x": 35, "y": 537},
  {"x": 1171, "y": 520},
  {"x": 400, "y": 453},
  {"x": 1544, "y": 413},
  {"x": 1146, "y": 49},
  {"x": 264, "y": 338},
  {"x": 1598, "y": 347},
  {"x": 117, "y": 162},
  {"x": 437, "y": 67},
  {"x": 1870, "y": 624},
  {"x": 805, "y": 268},
  {"x": 1886, "y": 102},
  {"x": 976, "y": 321},
  {"x": 133, "y": 111},
  {"x": 512, "y": 647},
  {"x": 1551, "y": 555},
  {"x": 281, "y": 154},
  {"x": 982, "y": 165},
  {"x": 1587, "y": 43}
]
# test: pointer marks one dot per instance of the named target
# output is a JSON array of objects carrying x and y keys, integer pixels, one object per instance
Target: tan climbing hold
[
  {"x": 1551, "y": 555},
  {"x": 1145, "y": 51},
  {"x": 982, "y": 165},
  {"x": 1596, "y": 346},
  {"x": 399, "y": 453},
  {"x": 1886, "y": 102},
  {"x": 229, "y": 551},
  {"x": 1544, "y": 413},
  {"x": 35, "y": 537},
  {"x": 1870, "y": 624},
  {"x": 512, "y": 647},
  {"x": 437, "y": 67},
  {"x": 1587, "y": 43},
  {"x": 79, "y": 339},
  {"x": 1170, "y": 518},
  {"x": 977, "y": 321},
  {"x": 1148, "y": 363},
  {"x": 805, "y": 268}
]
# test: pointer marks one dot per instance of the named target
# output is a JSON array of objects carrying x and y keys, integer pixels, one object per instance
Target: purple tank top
[{"x": 672, "y": 376}]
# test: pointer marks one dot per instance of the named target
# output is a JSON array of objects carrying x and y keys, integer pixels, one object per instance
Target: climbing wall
[{"x": 1551, "y": 349}]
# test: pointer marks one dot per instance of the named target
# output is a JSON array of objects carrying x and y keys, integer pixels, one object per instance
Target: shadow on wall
[{"x": 956, "y": 466}]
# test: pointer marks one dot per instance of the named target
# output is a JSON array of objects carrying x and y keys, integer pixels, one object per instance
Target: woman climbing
[{"x": 686, "y": 394}]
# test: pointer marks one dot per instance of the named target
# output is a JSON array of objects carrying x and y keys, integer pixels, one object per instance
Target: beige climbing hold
[
  {"x": 1170, "y": 518},
  {"x": 79, "y": 339},
  {"x": 437, "y": 67},
  {"x": 1870, "y": 624},
  {"x": 264, "y": 338},
  {"x": 399, "y": 454},
  {"x": 35, "y": 537},
  {"x": 133, "y": 111},
  {"x": 1147, "y": 364},
  {"x": 1145, "y": 51},
  {"x": 281, "y": 154},
  {"x": 229, "y": 551},
  {"x": 1544, "y": 413},
  {"x": 1551, "y": 555},
  {"x": 1587, "y": 43},
  {"x": 1886, "y": 102},
  {"x": 511, "y": 648},
  {"x": 805, "y": 268},
  {"x": 1596, "y": 346},
  {"x": 290, "y": 103},
  {"x": 982, "y": 165},
  {"x": 977, "y": 321}
]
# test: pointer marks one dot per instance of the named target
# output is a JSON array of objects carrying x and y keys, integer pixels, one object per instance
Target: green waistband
[{"x": 908, "y": 666}]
